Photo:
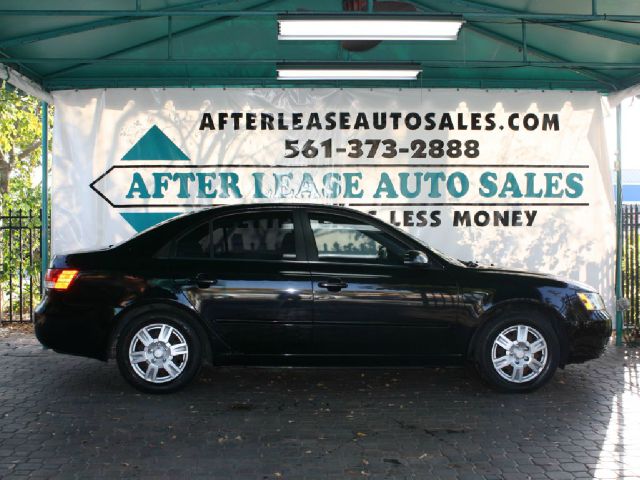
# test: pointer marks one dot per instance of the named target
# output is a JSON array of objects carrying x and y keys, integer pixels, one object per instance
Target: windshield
[{"x": 448, "y": 258}]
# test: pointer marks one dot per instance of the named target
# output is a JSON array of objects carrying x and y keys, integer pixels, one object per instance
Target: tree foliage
[
  {"x": 20, "y": 152},
  {"x": 20, "y": 193}
]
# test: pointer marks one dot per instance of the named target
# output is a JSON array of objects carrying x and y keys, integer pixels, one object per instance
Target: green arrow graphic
[{"x": 155, "y": 145}]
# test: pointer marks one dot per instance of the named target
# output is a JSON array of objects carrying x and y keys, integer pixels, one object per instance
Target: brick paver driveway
[{"x": 67, "y": 417}]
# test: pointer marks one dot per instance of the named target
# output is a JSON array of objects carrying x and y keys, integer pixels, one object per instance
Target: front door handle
[
  {"x": 205, "y": 281},
  {"x": 333, "y": 285}
]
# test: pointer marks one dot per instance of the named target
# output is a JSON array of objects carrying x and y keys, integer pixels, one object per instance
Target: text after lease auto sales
[{"x": 423, "y": 168}]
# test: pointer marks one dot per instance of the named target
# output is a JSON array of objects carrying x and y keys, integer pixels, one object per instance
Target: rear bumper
[
  {"x": 76, "y": 330},
  {"x": 589, "y": 336}
]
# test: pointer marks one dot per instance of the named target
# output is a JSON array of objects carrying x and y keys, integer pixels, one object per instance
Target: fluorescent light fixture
[
  {"x": 368, "y": 27},
  {"x": 368, "y": 72}
]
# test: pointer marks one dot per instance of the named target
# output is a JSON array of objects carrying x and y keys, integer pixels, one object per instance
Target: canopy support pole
[
  {"x": 44, "y": 224},
  {"x": 619, "y": 313}
]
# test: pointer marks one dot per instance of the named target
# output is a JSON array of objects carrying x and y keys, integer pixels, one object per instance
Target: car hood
[{"x": 534, "y": 275}]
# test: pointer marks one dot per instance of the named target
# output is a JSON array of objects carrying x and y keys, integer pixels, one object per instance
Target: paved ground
[{"x": 66, "y": 417}]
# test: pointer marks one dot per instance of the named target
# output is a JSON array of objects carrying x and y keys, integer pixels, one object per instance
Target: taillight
[{"x": 60, "y": 278}]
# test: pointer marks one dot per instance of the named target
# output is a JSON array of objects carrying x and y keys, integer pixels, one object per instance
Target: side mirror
[{"x": 415, "y": 257}]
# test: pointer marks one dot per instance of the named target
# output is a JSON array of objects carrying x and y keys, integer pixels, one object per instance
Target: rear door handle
[
  {"x": 205, "y": 281},
  {"x": 333, "y": 285}
]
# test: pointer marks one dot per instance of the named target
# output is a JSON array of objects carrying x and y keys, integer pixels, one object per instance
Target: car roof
[{"x": 270, "y": 206}]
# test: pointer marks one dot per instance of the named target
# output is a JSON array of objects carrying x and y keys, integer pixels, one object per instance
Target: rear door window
[{"x": 256, "y": 236}]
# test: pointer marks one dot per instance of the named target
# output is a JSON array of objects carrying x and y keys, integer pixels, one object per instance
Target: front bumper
[
  {"x": 73, "y": 329},
  {"x": 588, "y": 336}
]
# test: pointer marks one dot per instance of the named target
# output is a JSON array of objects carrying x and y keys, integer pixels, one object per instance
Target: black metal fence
[
  {"x": 20, "y": 285},
  {"x": 631, "y": 268}
]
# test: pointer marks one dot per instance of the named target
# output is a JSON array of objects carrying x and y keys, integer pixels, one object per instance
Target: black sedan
[{"x": 278, "y": 284}]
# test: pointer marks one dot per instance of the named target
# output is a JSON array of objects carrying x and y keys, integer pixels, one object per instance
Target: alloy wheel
[
  {"x": 519, "y": 353},
  {"x": 158, "y": 353}
]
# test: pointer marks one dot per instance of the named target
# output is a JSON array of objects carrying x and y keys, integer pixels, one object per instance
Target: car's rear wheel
[
  {"x": 159, "y": 351},
  {"x": 518, "y": 352}
]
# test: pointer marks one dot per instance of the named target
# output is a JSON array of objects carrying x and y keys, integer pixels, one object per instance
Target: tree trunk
[{"x": 5, "y": 170}]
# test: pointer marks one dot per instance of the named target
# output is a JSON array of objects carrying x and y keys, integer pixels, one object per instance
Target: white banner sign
[{"x": 517, "y": 179}]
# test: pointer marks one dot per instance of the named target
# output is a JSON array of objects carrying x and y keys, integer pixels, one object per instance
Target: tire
[
  {"x": 510, "y": 364},
  {"x": 159, "y": 351}
]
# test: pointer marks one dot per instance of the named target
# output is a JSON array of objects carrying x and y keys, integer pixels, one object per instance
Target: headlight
[{"x": 591, "y": 300}]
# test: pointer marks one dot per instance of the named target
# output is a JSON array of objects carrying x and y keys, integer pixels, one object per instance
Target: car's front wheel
[
  {"x": 518, "y": 352},
  {"x": 159, "y": 351}
]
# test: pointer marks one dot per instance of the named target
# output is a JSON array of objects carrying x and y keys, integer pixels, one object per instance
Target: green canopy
[{"x": 546, "y": 44}]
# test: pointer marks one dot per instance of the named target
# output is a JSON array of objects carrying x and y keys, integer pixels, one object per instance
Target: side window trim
[
  {"x": 307, "y": 233},
  {"x": 299, "y": 218}
]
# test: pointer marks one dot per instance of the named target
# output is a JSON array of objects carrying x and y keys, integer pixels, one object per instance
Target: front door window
[{"x": 343, "y": 239}]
